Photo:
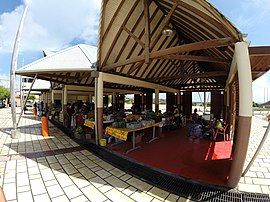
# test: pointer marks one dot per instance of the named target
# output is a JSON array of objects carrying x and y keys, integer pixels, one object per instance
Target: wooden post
[
  {"x": 147, "y": 31},
  {"x": 245, "y": 113},
  {"x": 64, "y": 103},
  {"x": 156, "y": 100},
  {"x": 52, "y": 98},
  {"x": 99, "y": 106}
]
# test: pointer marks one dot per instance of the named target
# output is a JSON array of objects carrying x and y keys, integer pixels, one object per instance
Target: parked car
[{"x": 2, "y": 104}]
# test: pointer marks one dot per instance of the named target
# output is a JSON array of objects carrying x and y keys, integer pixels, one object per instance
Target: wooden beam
[
  {"x": 202, "y": 45},
  {"x": 259, "y": 51},
  {"x": 192, "y": 76},
  {"x": 197, "y": 58},
  {"x": 147, "y": 30},
  {"x": 112, "y": 78},
  {"x": 134, "y": 37},
  {"x": 165, "y": 22},
  {"x": 202, "y": 84}
]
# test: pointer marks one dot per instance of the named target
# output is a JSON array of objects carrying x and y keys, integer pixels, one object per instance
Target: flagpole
[{"x": 15, "y": 133}]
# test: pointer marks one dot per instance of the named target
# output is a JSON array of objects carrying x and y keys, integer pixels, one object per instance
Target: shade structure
[
  {"x": 197, "y": 55},
  {"x": 69, "y": 66}
]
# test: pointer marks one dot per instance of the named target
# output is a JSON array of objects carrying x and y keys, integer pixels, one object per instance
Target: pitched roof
[{"x": 80, "y": 58}]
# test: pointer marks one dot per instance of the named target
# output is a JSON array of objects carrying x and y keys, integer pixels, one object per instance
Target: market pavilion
[{"x": 172, "y": 46}]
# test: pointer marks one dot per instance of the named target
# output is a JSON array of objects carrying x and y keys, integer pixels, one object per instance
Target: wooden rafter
[
  {"x": 133, "y": 36},
  {"x": 191, "y": 76},
  {"x": 147, "y": 30},
  {"x": 173, "y": 50},
  {"x": 197, "y": 58},
  {"x": 165, "y": 22}
]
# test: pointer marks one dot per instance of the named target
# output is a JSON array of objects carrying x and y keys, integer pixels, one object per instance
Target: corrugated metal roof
[
  {"x": 69, "y": 66},
  {"x": 80, "y": 57}
]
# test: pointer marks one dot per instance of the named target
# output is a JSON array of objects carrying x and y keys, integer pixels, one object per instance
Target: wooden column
[
  {"x": 121, "y": 101},
  {"x": 114, "y": 100},
  {"x": 156, "y": 100},
  {"x": 170, "y": 101},
  {"x": 245, "y": 113},
  {"x": 147, "y": 30},
  {"x": 105, "y": 101},
  {"x": 187, "y": 103},
  {"x": 137, "y": 100},
  {"x": 99, "y": 106},
  {"x": 52, "y": 98},
  {"x": 217, "y": 100},
  {"x": 143, "y": 102},
  {"x": 149, "y": 101},
  {"x": 90, "y": 97},
  {"x": 64, "y": 103}
]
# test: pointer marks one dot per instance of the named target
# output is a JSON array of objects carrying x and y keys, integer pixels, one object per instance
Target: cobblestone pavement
[
  {"x": 257, "y": 179},
  {"x": 64, "y": 171}
]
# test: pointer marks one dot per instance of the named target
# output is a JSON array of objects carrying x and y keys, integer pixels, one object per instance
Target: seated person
[
  {"x": 218, "y": 127},
  {"x": 195, "y": 116}
]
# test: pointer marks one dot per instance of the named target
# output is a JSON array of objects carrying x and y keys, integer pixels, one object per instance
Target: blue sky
[{"x": 57, "y": 24}]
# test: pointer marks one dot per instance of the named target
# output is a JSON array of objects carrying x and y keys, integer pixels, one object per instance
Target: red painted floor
[{"x": 200, "y": 159}]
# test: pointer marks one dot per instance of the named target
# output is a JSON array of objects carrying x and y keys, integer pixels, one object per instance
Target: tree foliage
[
  {"x": 4, "y": 93},
  {"x": 32, "y": 97},
  {"x": 255, "y": 104}
]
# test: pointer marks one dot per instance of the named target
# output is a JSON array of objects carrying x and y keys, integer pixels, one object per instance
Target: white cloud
[{"x": 51, "y": 24}]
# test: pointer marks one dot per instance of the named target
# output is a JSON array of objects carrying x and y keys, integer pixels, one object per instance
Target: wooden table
[
  {"x": 122, "y": 134},
  {"x": 91, "y": 124}
]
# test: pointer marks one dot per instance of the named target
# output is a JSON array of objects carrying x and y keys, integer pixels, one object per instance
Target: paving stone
[
  {"x": 25, "y": 196},
  {"x": 50, "y": 182},
  {"x": 93, "y": 194},
  {"x": 125, "y": 177},
  {"x": 158, "y": 193},
  {"x": 265, "y": 189},
  {"x": 261, "y": 181},
  {"x": 103, "y": 173},
  {"x": 172, "y": 198},
  {"x": 37, "y": 187},
  {"x": 55, "y": 191},
  {"x": 72, "y": 191},
  {"x": 23, "y": 188},
  {"x": 143, "y": 186},
  {"x": 60, "y": 198},
  {"x": 117, "y": 172},
  {"x": 141, "y": 196},
  {"x": 105, "y": 188},
  {"x": 10, "y": 191},
  {"x": 117, "y": 183},
  {"x": 55, "y": 166},
  {"x": 42, "y": 197},
  {"x": 130, "y": 190},
  {"x": 117, "y": 196},
  {"x": 97, "y": 182},
  {"x": 86, "y": 172},
  {"x": 81, "y": 198},
  {"x": 81, "y": 182},
  {"x": 249, "y": 188}
]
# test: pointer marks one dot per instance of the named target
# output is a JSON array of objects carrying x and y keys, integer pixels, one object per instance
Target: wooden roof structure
[
  {"x": 197, "y": 54},
  {"x": 199, "y": 50}
]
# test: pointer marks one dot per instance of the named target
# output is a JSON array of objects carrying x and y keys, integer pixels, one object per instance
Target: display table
[
  {"x": 91, "y": 124},
  {"x": 122, "y": 134}
]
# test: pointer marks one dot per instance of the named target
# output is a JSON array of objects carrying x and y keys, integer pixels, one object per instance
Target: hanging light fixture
[{"x": 167, "y": 31}]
